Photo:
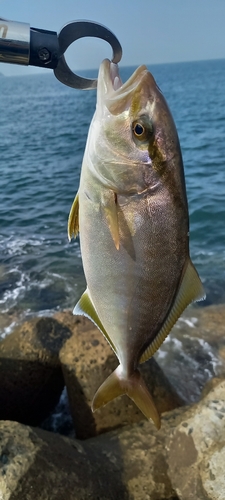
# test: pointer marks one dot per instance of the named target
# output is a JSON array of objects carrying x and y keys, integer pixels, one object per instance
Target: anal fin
[
  {"x": 85, "y": 307},
  {"x": 190, "y": 290}
]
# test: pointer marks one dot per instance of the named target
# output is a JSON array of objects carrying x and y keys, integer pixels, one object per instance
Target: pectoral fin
[
  {"x": 190, "y": 290},
  {"x": 109, "y": 206},
  {"x": 73, "y": 220},
  {"x": 85, "y": 307}
]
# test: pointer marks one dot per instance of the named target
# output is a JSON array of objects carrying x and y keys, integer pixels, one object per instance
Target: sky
[{"x": 150, "y": 31}]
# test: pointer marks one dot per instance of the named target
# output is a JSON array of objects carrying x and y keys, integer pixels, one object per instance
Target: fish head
[{"x": 134, "y": 142}]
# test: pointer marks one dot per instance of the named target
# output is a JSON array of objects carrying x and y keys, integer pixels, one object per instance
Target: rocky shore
[{"x": 116, "y": 452}]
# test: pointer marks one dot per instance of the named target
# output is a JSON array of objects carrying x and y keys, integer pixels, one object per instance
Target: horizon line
[{"x": 42, "y": 72}]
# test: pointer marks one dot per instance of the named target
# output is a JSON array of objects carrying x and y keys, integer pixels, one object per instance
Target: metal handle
[
  {"x": 14, "y": 42},
  {"x": 20, "y": 44}
]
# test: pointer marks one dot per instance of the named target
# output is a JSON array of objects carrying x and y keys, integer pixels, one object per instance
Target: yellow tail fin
[{"x": 134, "y": 386}]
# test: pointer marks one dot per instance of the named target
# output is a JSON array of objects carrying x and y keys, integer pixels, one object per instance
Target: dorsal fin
[
  {"x": 190, "y": 290},
  {"x": 73, "y": 220},
  {"x": 85, "y": 307}
]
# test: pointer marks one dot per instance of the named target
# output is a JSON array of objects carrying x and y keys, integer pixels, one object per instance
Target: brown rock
[
  {"x": 182, "y": 461},
  {"x": 31, "y": 379},
  {"x": 210, "y": 385},
  {"x": 87, "y": 360}
]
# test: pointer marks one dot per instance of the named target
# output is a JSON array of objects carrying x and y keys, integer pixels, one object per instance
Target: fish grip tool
[{"x": 25, "y": 45}]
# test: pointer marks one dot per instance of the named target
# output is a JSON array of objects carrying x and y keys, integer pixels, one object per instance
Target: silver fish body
[{"x": 134, "y": 228}]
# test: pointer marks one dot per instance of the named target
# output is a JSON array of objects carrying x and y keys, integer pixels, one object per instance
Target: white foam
[
  {"x": 8, "y": 329},
  {"x": 191, "y": 322},
  {"x": 204, "y": 252},
  {"x": 23, "y": 285},
  {"x": 216, "y": 362},
  {"x": 21, "y": 246},
  {"x": 11, "y": 296},
  {"x": 161, "y": 354}
]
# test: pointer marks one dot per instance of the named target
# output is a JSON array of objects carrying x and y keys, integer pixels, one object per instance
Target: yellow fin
[
  {"x": 85, "y": 307},
  {"x": 190, "y": 290},
  {"x": 73, "y": 220},
  {"x": 134, "y": 386},
  {"x": 111, "y": 213}
]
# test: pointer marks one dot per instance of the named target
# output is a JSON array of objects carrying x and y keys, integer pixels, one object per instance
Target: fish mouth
[{"x": 110, "y": 84}]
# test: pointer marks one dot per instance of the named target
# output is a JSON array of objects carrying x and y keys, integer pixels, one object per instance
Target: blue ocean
[{"x": 43, "y": 130}]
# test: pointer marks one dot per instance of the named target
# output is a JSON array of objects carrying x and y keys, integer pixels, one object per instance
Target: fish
[{"x": 131, "y": 213}]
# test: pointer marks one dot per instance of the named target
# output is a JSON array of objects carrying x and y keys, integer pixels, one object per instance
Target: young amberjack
[{"x": 132, "y": 214}]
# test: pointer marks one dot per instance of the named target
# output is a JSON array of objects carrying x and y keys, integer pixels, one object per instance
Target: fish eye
[
  {"x": 138, "y": 130},
  {"x": 142, "y": 129}
]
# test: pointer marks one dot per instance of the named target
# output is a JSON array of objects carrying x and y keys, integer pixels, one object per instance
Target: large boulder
[
  {"x": 87, "y": 360},
  {"x": 182, "y": 461},
  {"x": 31, "y": 378},
  {"x": 39, "y": 465}
]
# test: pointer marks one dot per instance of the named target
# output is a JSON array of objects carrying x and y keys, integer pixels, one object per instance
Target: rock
[
  {"x": 182, "y": 461},
  {"x": 31, "y": 378},
  {"x": 196, "y": 449},
  {"x": 211, "y": 384},
  {"x": 222, "y": 353},
  {"x": 38, "y": 465},
  {"x": 87, "y": 360}
]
